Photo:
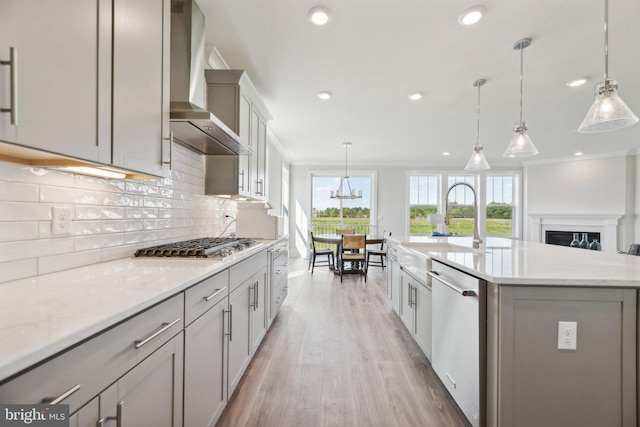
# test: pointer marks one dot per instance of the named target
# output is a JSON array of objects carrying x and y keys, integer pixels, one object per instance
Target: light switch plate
[{"x": 567, "y": 335}]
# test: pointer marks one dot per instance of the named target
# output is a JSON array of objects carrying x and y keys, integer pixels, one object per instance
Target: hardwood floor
[{"x": 337, "y": 355}]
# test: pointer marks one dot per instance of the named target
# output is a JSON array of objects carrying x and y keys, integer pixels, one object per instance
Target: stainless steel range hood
[{"x": 191, "y": 123}]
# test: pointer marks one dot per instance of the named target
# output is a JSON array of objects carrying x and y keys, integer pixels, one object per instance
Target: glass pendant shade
[
  {"x": 608, "y": 111},
  {"x": 477, "y": 161},
  {"x": 520, "y": 145}
]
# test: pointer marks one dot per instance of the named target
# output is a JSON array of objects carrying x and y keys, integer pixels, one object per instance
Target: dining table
[{"x": 336, "y": 239}]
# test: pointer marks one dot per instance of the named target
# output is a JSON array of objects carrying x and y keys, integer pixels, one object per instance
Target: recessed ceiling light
[
  {"x": 578, "y": 153},
  {"x": 324, "y": 95},
  {"x": 415, "y": 96},
  {"x": 320, "y": 15},
  {"x": 471, "y": 15},
  {"x": 446, "y": 153},
  {"x": 577, "y": 82}
]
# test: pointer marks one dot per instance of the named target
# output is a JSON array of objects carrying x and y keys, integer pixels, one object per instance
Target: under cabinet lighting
[{"x": 93, "y": 171}]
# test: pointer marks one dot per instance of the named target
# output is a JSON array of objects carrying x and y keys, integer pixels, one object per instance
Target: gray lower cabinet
[
  {"x": 415, "y": 309},
  {"x": 394, "y": 268},
  {"x": 530, "y": 382},
  {"x": 407, "y": 313},
  {"x": 150, "y": 394},
  {"x": 87, "y": 416},
  {"x": 205, "y": 368},
  {"x": 258, "y": 308},
  {"x": 239, "y": 333}
]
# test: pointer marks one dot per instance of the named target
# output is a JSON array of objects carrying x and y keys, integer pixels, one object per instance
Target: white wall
[
  {"x": 597, "y": 186},
  {"x": 111, "y": 218}
]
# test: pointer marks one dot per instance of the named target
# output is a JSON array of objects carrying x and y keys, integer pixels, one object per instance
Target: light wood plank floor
[{"x": 337, "y": 355}]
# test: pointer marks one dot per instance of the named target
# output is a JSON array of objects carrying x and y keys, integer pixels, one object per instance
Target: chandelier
[{"x": 344, "y": 190}]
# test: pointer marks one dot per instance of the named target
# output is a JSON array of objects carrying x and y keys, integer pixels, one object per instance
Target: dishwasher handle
[{"x": 464, "y": 292}]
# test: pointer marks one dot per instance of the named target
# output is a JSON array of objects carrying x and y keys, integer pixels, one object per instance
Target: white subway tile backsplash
[{"x": 111, "y": 218}]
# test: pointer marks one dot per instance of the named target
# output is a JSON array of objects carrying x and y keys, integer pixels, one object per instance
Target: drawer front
[
  {"x": 204, "y": 295},
  {"x": 84, "y": 371},
  {"x": 239, "y": 273},
  {"x": 278, "y": 297}
]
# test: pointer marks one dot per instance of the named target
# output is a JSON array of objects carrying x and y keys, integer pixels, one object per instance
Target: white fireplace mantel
[{"x": 606, "y": 225}]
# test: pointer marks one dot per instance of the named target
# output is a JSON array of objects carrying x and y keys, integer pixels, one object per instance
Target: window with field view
[
  {"x": 499, "y": 205},
  {"x": 327, "y": 214},
  {"x": 461, "y": 204},
  {"x": 423, "y": 200}
]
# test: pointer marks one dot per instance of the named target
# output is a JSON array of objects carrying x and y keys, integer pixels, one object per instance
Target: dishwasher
[{"x": 457, "y": 337}]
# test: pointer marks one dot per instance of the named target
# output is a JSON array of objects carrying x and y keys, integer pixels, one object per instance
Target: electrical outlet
[
  {"x": 567, "y": 335},
  {"x": 61, "y": 220}
]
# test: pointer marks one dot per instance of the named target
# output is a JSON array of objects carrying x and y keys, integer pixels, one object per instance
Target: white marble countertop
[
  {"x": 517, "y": 262},
  {"x": 43, "y": 315}
]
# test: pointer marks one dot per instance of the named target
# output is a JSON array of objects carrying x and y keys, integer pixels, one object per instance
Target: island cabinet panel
[{"x": 535, "y": 383}]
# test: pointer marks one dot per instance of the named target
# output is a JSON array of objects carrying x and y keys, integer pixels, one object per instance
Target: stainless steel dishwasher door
[{"x": 455, "y": 339}]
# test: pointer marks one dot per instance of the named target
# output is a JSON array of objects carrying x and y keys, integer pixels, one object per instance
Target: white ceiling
[{"x": 373, "y": 53}]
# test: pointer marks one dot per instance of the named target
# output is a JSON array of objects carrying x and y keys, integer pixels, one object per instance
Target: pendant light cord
[
  {"x": 606, "y": 41},
  {"x": 478, "y": 119},
  {"x": 521, "y": 79}
]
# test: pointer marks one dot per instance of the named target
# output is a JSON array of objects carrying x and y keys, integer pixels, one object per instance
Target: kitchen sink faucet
[{"x": 476, "y": 237}]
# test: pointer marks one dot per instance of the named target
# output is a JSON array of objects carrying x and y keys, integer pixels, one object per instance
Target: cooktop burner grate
[{"x": 199, "y": 248}]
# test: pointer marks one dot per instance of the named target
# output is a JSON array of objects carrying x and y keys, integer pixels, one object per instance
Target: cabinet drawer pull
[
  {"x": 13, "y": 77},
  {"x": 255, "y": 297},
  {"x": 213, "y": 295},
  {"x": 63, "y": 396},
  {"x": 463, "y": 292},
  {"x": 165, "y": 326},
  {"x": 230, "y": 333},
  {"x": 117, "y": 418},
  {"x": 452, "y": 381}
]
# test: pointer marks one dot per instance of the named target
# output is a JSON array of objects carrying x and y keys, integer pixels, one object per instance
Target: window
[
  {"x": 423, "y": 200},
  {"x": 461, "y": 204},
  {"x": 328, "y": 214},
  {"x": 500, "y": 205}
]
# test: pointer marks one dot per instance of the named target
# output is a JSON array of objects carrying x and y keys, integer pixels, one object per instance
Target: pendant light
[
  {"x": 344, "y": 190},
  {"x": 608, "y": 111},
  {"x": 521, "y": 145},
  {"x": 477, "y": 161}
]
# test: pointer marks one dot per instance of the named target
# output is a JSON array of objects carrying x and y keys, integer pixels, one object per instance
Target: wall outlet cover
[
  {"x": 567, "y": 335},
  {"x": 61, "y": 220}
]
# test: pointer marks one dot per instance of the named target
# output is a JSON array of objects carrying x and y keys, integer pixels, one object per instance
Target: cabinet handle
[
  {"x": 117, "y": 418},
  {"x": 242, "y": 180},
  {"x": 165, "y": 326},
  {"x": 260, "y": 192},
  {"x": 230, "y": 333},
  {"x": 13, "y": 77},
  {"x": 213, "y": 295},
  {"x": 256, "y": 297},
  {"x": 63, "y": 396},
  {"x": 463, "y": 292},
  {"x": 170, "y": 162}
]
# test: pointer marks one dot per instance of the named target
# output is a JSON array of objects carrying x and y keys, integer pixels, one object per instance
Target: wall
[
  {"x": 111, "y": 218},
  {"x": 597, "y": 186}
]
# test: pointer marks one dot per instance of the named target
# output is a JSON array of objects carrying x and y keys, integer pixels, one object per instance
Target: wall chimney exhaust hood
[{"x": 193, "y": 125}]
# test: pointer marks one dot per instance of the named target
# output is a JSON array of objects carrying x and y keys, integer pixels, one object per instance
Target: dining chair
[
  {"x": 381, "y": 253},
  {"x": 353, "y": 251},
  {"x": 343, "y": 231},
  {"x": 314, "y": 253}
]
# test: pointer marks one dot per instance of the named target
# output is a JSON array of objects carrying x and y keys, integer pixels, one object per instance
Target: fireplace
[
  {"x": 606, "y": 226},
  {"x": 564, "y": 238}
]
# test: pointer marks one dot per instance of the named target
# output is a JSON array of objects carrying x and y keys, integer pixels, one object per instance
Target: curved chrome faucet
[{"x": 476, "y": 236}]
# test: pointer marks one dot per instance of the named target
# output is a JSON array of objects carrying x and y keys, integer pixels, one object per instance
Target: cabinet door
[
  {"x": 423, "y": 318},
  {"x": 258, "y": 309},
  {"x": 8, "y": 40},
  {"x": 150, "y": 394},
  {"x": 240, "y": 337},
  {"x": 253, "y": 143},
  {"x": 140, "y": 85},
  {"x": 406, "y": 306},
  {"x": 205, "y": 368},
  {"x": 244, "y": 119},
  {"x": 261, "y": 166},
  {"x": 59, "y": 67},
  {"x": 87, "y": 416},
  {"x": 395, "y": 287}
]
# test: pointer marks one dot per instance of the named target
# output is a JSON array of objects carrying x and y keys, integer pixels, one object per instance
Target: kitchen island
[{"x": 528, "y": 374}]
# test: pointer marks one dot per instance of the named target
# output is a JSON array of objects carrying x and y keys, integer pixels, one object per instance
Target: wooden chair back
[
  {"x": 344, "y": 231},
  {"x": 354, "y": 241}
]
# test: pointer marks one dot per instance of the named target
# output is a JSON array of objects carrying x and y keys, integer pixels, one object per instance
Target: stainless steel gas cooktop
[{"x": 205, "y": 247}]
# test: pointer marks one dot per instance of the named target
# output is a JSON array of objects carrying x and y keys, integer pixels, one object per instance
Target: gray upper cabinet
[
  {"x": 140, "y": 83},
  {"x": 234, "y": 100},
  {"x": 82, "y": 70}
]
